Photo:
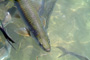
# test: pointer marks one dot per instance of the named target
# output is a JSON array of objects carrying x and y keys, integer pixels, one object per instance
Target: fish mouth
[{"x": 46, "y": 49}]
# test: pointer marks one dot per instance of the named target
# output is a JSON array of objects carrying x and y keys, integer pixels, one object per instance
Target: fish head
[
  {"x": 44, "y": 43},
  {"x": 41, "y": 38}
]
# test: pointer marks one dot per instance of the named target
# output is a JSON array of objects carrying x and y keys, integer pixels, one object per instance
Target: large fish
[{"x": 32, "y": 20}]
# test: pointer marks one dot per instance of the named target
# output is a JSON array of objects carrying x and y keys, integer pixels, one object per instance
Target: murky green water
[{"x": 69, "y": 27}]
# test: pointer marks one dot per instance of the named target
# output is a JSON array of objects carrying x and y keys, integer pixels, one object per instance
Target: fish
[
  {"x": 45, "y": 10},
  {"x": 5, "y": 44},
  {"x": 65, "y": 52},
  {"x": 2, "y": 28},
  {"x": 32, "y": 20}
]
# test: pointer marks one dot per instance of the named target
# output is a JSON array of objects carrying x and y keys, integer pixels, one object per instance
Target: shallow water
[{"x": 69, "y": 27}]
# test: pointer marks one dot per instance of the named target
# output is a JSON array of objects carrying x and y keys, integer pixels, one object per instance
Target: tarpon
[{"x": 32, "y": 20}]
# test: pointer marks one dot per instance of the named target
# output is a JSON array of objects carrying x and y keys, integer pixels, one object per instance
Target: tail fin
[{"x": 65, "y": 52}]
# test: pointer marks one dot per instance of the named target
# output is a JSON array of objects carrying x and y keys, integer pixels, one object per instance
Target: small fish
[
  {"x": 65, "y": 52},
  {"x": 32, "y": 20}
]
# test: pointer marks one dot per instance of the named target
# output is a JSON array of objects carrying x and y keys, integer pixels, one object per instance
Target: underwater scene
[{"x": 44, "y": 29}]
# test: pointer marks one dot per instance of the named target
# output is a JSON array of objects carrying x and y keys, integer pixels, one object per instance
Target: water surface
[{"x": 69, "y": 27}]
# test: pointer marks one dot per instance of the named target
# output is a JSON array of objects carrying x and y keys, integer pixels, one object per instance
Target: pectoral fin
[
  {"x": 7, "y": 19},
  {"x": 23, "y": 32}
]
